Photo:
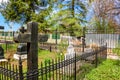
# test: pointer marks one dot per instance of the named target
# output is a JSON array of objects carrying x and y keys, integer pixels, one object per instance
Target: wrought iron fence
[
  {"x": 8, "y": 71},
  {"x": 58, "y": 69}
]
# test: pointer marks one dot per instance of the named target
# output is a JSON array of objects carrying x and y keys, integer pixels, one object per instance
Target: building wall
[
  {"x": 52, "y": 38},
  {"x": 112, "y": 40},
  {"x": 8, "y": 35}
]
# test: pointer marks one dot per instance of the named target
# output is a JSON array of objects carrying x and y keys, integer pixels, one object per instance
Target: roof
[{"x": 1, "y": 27}]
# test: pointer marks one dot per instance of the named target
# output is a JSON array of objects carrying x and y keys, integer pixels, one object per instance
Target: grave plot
[{"x": 2, "y": 58}]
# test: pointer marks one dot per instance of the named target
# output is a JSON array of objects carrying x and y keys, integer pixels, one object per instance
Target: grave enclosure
[{"x": 56, "y": 69}]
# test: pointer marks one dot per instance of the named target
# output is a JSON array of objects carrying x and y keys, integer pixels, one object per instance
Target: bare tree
[{"x": 108, "y": 10}]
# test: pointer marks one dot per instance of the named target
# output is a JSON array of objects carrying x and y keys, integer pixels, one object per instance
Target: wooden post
[
  {"x": 32, "y": 48},
  {"x": 56, "y": 39}
]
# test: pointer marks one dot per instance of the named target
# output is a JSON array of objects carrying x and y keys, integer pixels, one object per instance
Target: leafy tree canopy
[
  {"x": 70, "y": 16},
  {"x": 70, "y": 13}
]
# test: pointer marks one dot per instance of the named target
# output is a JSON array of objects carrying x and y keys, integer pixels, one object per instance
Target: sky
[{"x": 6, "y": 26}]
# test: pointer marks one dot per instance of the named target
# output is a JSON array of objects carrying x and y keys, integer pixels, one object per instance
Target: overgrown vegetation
[
  {"x": 108, "y": 70},
  {"x": 117, "y": 49}
]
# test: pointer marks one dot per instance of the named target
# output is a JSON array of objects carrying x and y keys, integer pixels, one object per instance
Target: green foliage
[
  {"x": 9, "y": 46},
  {"x": 102, "y": 26},
  {"x": 23, "y": 11},
  {"x": 117, "y": 49},
  {"x": 19, "y": 10},
  {"x": 108, "y": 70},
  {"x": 69, "y": 17},
  {"x": 85, "y": 69}
]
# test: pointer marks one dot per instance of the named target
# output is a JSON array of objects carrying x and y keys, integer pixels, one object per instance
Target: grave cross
[
  {"x": 31, "y": 38},
  {"x": 25, "y": 36},
  {"x": 22, "y": 30}
]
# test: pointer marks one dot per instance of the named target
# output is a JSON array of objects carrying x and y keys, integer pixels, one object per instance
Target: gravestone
[
  {"x": 21, "y": 51},
  {"x": 2, "y": 58},
  {"x": 70, "y": 51},
  {"x": 30, "y": 36},
  {"x": 1, "y": 53}
]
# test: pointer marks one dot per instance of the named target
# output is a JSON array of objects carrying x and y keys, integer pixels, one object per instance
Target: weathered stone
[
  {"x": 17, "y": 56},
  {"x": 22, "y": 49},
  {"x": 1, "y": 53},
  {"x": 26, "y": 37},
  {"x": 22, "y": 38},
  {"x": 31, "y": 38}
]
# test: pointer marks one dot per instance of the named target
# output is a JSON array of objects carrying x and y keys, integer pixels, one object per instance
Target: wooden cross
[{"x": 31, "y": 38}]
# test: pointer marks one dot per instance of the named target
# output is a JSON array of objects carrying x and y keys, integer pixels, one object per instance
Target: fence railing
[
  {"x": 8, "y": 72},
  {"x": 58, "y": 69}
]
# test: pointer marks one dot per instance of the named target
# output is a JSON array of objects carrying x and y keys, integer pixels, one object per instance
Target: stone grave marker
[
  {"x": 21, "y": 51},
  {"x": 70, "y": 51},
  {"x": 30, "y": 36},
  {"x": 1, "y": 53},
  {"x": 2, "y": 59}
]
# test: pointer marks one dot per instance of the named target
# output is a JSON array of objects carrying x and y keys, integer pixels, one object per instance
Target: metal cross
[{"x": 22, "y": 30}]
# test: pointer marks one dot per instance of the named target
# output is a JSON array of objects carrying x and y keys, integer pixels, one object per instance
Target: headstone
[
  {"x": 30, "y": 36},
  {"x": 70, "y": 51},
  {"x": 1, "y": 53},
  {"x": 2, "y": 59},
  {"x": 21, "y": 51}
]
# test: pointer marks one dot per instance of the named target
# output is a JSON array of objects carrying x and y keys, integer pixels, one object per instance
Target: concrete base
[
  {"x": 111, "y": 56},
  {"x": 16, "y": 56},
  {"x": 3, "y": 60}
]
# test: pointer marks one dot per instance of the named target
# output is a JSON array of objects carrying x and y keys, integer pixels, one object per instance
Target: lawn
[
  {"x": 43, "y": 55},
  {"x": 108, "y": 70}
]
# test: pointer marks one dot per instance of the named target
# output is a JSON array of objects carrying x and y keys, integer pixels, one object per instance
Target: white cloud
[{"x": 3, "y": 1}]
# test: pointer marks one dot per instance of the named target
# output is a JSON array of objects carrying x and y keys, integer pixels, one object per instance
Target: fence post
[
  {"x": 56, "y": 39},
  {"x": 75, "y": 68},
  {"x": 5, "y": 42},
  {"x": 50, "y": 48},
  {"x": 83, "y": 40},
  {"x": 96, "y": 58},
  {"x": 20, "y": 69}
]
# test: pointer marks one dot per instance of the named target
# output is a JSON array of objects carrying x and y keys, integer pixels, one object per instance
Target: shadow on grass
[{"x": 86, "y": 68}]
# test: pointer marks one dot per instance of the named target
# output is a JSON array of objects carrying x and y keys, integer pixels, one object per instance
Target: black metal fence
[
  {"x": 58, "y": 69},
  {"x": 8, "y": 71}
]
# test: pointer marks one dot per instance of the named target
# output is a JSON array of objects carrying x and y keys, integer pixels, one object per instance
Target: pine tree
[
  {"x": 70, "y": 16},
  {"x": 23, "y": 11}
]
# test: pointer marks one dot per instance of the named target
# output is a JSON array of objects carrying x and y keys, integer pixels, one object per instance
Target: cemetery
[
  {"x": 59, "y": 40},
  {"x": 91, "y": 53}
]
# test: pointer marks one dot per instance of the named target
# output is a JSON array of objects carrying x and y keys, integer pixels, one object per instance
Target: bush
[{"x": 108, "y": 70}]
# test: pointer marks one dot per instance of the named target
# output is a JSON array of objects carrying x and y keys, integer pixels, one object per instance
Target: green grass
[
  {"x": 9, "y": 46},
  {"x": 116, "y": 51},
  {"x": 85, "y": 69},
  {"x": 45, "y": 54},
  {"x": 108, "y": 70}
]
